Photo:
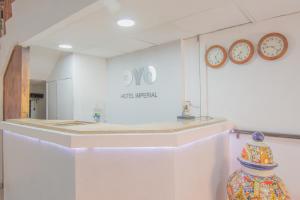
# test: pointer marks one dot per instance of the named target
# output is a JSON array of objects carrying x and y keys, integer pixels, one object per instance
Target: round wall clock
[
  {"x": 241, "y": 51},
  {"x": 272, "y": 46},
  {"x": 216, "y": 56}
]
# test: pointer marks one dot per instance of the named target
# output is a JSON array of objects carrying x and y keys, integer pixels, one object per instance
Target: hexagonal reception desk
[{"x": 71, "y": 160}]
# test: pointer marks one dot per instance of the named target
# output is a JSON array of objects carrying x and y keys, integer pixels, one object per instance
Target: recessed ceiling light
[
  {"x": 65, "y": 46},
  {"x": 126, "y": 22}
]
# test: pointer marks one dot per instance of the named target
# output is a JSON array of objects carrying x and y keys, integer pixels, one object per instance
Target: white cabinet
[
  {"x": 52, "y": 100},
  {"x": 76, "y": 88},
  {"x": 65, "y": 99},
  {"x": 60, "y": 99}
]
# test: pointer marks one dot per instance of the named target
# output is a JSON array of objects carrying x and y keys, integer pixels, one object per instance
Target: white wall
[
  {"x": 262, "y": 95},
  {"x": 63, "y": 68},
  {"x": 42, "y": 61},
  {"x": 84, "y": 81},
  {"x": 168, "y": 86},
  {"x": 89, "y": 79}
]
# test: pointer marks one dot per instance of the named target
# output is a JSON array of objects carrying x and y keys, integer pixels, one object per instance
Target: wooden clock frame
[
  {"x": 224, "y": 53},
  {"x": 285, "y": 47},
  {"x": 250, "y": 55}
]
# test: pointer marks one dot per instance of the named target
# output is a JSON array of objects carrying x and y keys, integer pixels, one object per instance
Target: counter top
[
  {"x": 81, "y": 127},
  {"x": 78, "y": 134}
]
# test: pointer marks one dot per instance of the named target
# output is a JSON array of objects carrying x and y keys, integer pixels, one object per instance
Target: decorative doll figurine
[{"x": 256, "y": 180}]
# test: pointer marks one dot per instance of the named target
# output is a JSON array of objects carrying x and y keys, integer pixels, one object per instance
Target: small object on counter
[
  {"x": 256, "y": 180},
  {"x": 98, "y": 113},
  {"x": 186, "y": 112},
  {"x": 97, "y": 116},
  {"x": 186, "y": 117}
]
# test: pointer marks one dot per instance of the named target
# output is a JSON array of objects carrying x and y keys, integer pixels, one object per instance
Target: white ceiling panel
[
  {"x": 110, "y": 45},
  {"x": 94, "y": 30},
  {"x": 123, "y": 44},
  {"x": 264, "y": 9},
  {"x": 101, "y": 52},
  {"x": 150, "y": 13},
  {"x": 162, "y": 34},
  {"x": 147, "y": 14},
  {"x": 212, "y": 20}
]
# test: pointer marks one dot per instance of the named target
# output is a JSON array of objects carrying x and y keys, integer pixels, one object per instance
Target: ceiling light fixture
[
  {"x": 126, "y": 22},
  {"x": 65, "y": 46}
]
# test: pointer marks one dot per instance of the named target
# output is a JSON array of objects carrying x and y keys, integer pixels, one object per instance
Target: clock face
[
  {"x": 216, "y": 56},
  {"x": 272, "y": 46},
  {"x": 241, "y": 51}
]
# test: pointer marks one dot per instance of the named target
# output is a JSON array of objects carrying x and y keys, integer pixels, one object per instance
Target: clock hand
[
  {"x": 240, "y": 53},
  {"x": 270, "y": 47}
]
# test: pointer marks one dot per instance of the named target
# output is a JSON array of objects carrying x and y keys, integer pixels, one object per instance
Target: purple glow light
[
  {"x": 21, "y": 136},
  {"x": 83, "y": 149}
]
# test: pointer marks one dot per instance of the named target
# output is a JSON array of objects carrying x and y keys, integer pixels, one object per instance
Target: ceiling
[{"x": 94, "y": 31}]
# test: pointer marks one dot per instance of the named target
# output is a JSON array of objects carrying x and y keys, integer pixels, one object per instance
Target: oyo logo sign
[{"x": 147, "y": 74}]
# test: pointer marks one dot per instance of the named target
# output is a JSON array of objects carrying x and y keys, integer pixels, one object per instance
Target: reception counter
[{"x": 73, "y": 160}]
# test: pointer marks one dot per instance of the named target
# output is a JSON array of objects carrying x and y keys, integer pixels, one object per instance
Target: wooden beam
[
  {"x": 7, "y": 10},
  {"x": 2, "y": 22},
  {"x": 5, "y": 14},
  {"x": 16, "y": 85}
]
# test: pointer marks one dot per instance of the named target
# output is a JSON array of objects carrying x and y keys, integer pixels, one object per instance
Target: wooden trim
[
  {"x": 248, "y": 58},
  {"x": 285, "y": 48},
  {"x": 12, "y": 60},
  {"x": 2, "y": 21},
  {"x": 16, "y": 85},
  {"x": 223, "y": 61},
  {"x": 25, "y": 84},
  {"x": 7, "y": 9}
]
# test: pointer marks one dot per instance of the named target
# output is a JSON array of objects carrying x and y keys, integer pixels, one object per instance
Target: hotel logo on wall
[
  {"x": 148, "y": 74},
  {"x": 138, "y": 76}
]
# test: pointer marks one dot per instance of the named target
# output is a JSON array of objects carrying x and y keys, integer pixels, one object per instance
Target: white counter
[
  {"x": 88, "y": 135},
  {"x": 172, "y": 161}
]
